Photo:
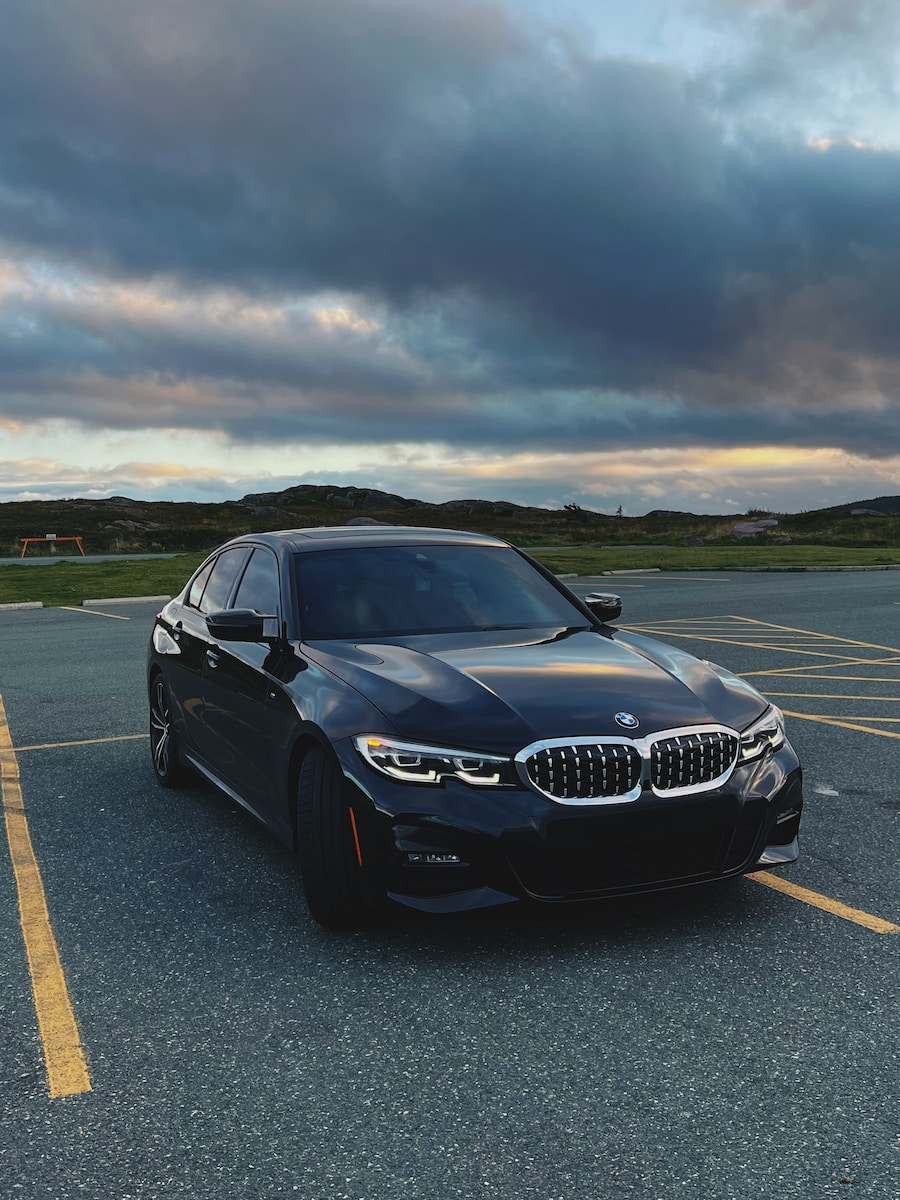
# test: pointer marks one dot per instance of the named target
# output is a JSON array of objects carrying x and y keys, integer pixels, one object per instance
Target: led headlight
[
  {"x": 415, "y": 763},
  {"x": 764, "y": 735}
]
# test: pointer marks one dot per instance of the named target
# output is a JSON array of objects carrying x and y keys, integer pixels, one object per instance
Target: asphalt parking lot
[{"x": 728, "y": 1042}]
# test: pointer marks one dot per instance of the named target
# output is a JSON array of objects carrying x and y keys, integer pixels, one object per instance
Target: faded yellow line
[
  {"x": 787, "y": 673},
  {"x": 888, "y": 733},
  {"x": 93, "y": 612},
  {"x": 771, "y": 628},
  {"x": 739, "y": 622},
  {"x": 836, "y": 696},
  {"x": 791, "y": 629},
  {"x": 692, "y": 622},
  {"x": 817, "y": 900},
  {"x": 67, "y": 1073},
  {"x": 746, "y": 637},
  {"x": 857, "y": 717},
  {"x": 119, "y": 737},
  {"x": 835, "y": 660},
  {"x": 792, "y": 672}
]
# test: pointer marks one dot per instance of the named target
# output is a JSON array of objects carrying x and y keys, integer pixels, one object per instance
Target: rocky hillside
[{"x": 121, "y": 525}]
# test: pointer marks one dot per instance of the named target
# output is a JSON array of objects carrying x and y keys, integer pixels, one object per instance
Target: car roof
[{"x": 330, "y": 536}]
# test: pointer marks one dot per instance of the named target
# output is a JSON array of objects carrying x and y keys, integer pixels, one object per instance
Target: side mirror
[
  {"x": 237, "y": 625},
  {"x": 604, "y": 605}
]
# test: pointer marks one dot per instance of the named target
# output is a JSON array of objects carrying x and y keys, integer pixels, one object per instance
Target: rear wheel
[
  {"x": 169, "y": 770},
  {"x": 331, "y": 853}
]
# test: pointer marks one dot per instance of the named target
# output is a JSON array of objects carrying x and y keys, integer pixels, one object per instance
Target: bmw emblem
[{"x": 627, "y": 720}]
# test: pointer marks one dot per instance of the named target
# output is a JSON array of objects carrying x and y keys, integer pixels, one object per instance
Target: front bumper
[{"x": 454, "y": 847}]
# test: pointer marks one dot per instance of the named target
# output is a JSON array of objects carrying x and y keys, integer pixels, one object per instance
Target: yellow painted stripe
[
  {"x": 837, "y": 660},
  {"x": 736, "y": 625},
  {"x": 830, "y": 718},
  {"x": 793, "y": 672},
  {"x": 791, "y": 629},
  {"x": 119, "y": 737},
  {"x": 817, "y": 900},
  {"x": 790, "y": 674},
  {"x": 836, "y": 696},
  {"x": 888, "y": 733},
  {"x": 67, "y": 1072},
  {"x": 748, "y": 637},
  {"x": 687, "y": 622},
  {"x": 93, "y": 612}
]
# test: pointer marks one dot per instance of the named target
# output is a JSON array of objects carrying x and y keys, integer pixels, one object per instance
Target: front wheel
[
  {"x": 331, "y": 852},
  {"x": 169, "y": 770}
]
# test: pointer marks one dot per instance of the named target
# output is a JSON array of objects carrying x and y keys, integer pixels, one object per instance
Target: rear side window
[
  {"x": 224, "y": 573},
  {"x": 259, "y": 586},
  {"x": 199, "y": 583}
]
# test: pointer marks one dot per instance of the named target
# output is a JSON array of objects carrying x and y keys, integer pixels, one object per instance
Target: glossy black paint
[{"x": 249, "y": 696}]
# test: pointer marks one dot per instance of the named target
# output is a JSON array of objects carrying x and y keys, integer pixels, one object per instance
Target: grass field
[
  {"x": 739, "y": 556},
  {"x": 70, "y": 581}
]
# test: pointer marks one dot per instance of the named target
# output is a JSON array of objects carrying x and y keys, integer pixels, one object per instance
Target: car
[{"x": 432, "y": 719}]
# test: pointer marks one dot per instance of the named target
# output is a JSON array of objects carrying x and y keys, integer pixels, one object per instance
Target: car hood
[{"x": 499, "y": 693}]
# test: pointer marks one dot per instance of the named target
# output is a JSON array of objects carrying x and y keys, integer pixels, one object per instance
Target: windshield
[{"x": 388, "y": 591}]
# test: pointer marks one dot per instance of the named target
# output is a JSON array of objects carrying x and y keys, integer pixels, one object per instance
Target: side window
[
  {"x": 259, "y": 587},
  {"x": 193, "y": 597},
  {"x": 225, "y": 571}
]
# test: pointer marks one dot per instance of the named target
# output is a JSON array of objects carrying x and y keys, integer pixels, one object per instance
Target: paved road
[
  {"x": 43, "y": 560},
  {"x": 725, "y": 1043}
]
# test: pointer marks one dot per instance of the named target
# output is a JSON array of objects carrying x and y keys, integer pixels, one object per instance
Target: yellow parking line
[
  {"x": 836, "y": 696},
  {"x": 93, "y": 612},
  {"x": 119, "y": 737},
  {"x": 836, "y": 660},
  {"x": 888, "y": 733},
  {"x": 817, "y": 900},
  {"x": 830, "y": 717},
  {"x": 787, "y": 674},
  {"x": 67, "y": 1072},
  {"x": 791, "y": 629},
  {"x": 792, "y": 672}
]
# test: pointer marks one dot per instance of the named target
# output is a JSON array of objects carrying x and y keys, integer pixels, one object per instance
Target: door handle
[{"x": 212, "y": 658}]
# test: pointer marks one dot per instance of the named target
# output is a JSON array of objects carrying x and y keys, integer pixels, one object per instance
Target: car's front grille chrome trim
[{"x": 617, "y": 770}]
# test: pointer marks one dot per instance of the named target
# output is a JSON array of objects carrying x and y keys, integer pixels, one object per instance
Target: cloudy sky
[{"x": 642, "y": 254}]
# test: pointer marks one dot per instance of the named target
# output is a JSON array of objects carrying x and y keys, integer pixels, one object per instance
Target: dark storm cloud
[{"x": 561, "y": 248}]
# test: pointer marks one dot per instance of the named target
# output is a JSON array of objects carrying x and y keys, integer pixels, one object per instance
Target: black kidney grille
[
  {"x": 691, "y": 759},
  {"x": 583, "y": 772}
]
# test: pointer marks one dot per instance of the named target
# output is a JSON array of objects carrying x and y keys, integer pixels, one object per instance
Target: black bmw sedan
[{"x": 432, "y": 719}]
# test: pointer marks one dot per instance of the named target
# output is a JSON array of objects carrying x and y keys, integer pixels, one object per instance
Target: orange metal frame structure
[{"x": 26, "y": 540}]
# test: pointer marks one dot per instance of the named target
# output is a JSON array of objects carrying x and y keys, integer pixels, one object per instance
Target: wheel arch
[{"x": 308, "y": 739}]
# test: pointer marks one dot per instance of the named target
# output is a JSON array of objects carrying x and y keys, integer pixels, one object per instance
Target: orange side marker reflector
[{"x": 355, "y": 836}]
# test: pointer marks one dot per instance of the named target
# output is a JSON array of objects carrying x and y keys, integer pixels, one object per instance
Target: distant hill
[
  {"x": 884, "y": 505},
  {"x": 118, "y": 524}
]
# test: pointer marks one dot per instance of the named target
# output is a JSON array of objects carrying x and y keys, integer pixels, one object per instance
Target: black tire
[
  {"x": 331, "y": 854},
  {"x": 167, "y": 766}
]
